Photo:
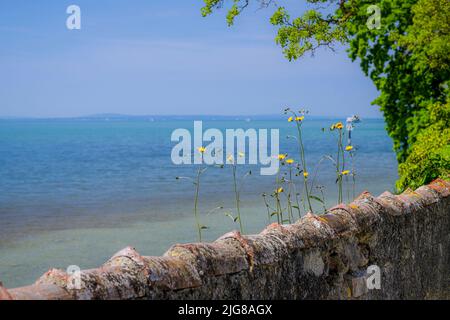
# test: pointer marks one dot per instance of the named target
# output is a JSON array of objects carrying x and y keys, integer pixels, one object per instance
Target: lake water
[{"x": 74, "y": 192}]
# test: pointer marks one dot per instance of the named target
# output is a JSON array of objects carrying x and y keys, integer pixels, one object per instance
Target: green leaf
[{"x": 316, "y": 198}]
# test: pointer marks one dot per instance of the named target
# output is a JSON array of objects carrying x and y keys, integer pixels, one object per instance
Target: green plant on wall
[
  {"x": 430, "y": 155},
  {"x": 196, "y": 182}
]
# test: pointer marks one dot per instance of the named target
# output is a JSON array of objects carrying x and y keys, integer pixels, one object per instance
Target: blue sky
[{"x": 145, "y": 57}]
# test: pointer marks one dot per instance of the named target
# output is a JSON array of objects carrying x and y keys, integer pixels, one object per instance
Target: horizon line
[{"x": 179, "y": 116}]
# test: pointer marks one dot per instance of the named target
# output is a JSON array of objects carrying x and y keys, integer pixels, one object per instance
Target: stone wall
[{"x": 318, "y": 257}]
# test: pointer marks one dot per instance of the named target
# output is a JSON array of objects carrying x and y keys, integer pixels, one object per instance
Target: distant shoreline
[{"x": 122, "y": 117}]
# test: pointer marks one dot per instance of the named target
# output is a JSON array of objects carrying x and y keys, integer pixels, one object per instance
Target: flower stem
[
  {"x": 291, "y": 216},
  {"x": 340, "y": 166},
  {"x": 237, "y": 197},
  {"x": 302, "y": 156},
  {"x": 197, "y": 190}
]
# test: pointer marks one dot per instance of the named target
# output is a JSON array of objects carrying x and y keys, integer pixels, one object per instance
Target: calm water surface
[{"x": 75, "y": 192}]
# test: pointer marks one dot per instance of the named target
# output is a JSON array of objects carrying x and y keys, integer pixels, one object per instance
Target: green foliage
[
  {"x": 430, "y": 155},
  {"x": 388, "y": 66},
  {"x": 428, "y": 38},
  {"x": 233, "y": 12},
  {"x": 398, "y": 67},
  {"x": 407, "y": 57},
  {"x": 209, "y": 6},
  {"x": 305, "y": 33}
]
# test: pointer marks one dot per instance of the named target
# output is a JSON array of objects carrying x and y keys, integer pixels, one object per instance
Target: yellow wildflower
[
  {"x": 290, "y": 119},
  {"x": 201, "y": 149},
  {"x": 290, "y": 161},
  {"x": 241, "y": 154},
  {"x": 305, "y": 174},
  {"x": 282, "y": 156},
  {"x": 299, "y": 118},
  {"x": 279, "y": 190},
  {"x": 230, "y": 158},
  {"x": 348, "y": 148},
  {"x": 339, "y": 125},
  {"x": 345, "y": 172}
]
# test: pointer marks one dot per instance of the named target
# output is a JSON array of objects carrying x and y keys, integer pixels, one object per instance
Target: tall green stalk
[
  {"x": 353, "y": 176},
  {"x": 298, "y": 121},
  {"x": 237, "y": 198},
  {"x": 279, "y": 209},
  {"x": 298, "y": 204},
  {"x": 341, "y": 134},
  {"x": 323, "y": 199},
  {"x": 196, "y": 182},
  {"x": 305, "y": 171},
  {"x": 197, "y": 190},
  {"x": 340, "y": 160},
  {"x": 291, "y": 187},
  {"x": 269, "y": 215},
  {"x": 338, "y": 169},
  {"x": 278, "y": 190}
]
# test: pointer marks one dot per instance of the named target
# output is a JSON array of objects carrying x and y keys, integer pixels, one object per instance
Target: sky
[{"x": 159, "y": 57}]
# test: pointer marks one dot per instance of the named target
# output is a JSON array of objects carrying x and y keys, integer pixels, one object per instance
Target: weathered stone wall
[{"x": 318, "y": 257}]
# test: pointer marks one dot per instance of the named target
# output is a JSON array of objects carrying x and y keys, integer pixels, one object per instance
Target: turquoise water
[{"x": 76, "y": 191}]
